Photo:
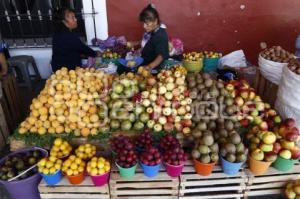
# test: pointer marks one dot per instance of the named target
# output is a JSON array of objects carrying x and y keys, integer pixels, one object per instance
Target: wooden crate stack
[
  {"x": 216, "y": 185},
  {"x": 271, "y": 183},
  {"x": 141, "y": 187},
  {"x": 65, "y": 190}
]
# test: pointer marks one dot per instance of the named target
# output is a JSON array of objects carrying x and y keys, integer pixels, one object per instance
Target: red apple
[
  {"x": 270, "y": 123},
  {"x": 186, "y": 123},
  {"x": 295, "y": 130},
  {"x": 244, "y": 122},
  {"x": 186, "y": 93},
  {"x": 289, "y": 122},
  {"x": 291, "y": 136},
  {"x": 276, "y": 147},
  {"x": 170, "y": 119},
  {"x": 168, "y": 127},
  {"x": 272, "y": 113},
  {"x": 270, "y": 156},
  {"x": 295, "y": 154},
  {"x": 160, "y": 101},
  {"x": 263, "y": 126}
]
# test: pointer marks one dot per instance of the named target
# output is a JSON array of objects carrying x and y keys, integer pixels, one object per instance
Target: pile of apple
[
  {"x": 288, "y": 135},
  {"x": 233, "y": 149},
  {"x": 144, "y": 140},
  {"x": 120, "y": 143},
  {"x": 206, "y": 149},
  {"x": 151, "y": 157},
  {"x": 126, "y": 158},
  {"x": 251, "y": 108},
  {"x": 263, "y": 145},
  {"x": 175, "y": 156},
  {"x": 292, "y": 190},
  {"x": 168, "y": 142},
  {"x": 168, "y": 102}
]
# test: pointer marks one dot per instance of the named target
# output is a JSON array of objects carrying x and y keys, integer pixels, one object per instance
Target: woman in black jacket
[{"x": 67, "y": 48}]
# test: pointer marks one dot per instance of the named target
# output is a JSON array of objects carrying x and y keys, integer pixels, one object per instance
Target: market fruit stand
[{"x": 107, "y": 133}]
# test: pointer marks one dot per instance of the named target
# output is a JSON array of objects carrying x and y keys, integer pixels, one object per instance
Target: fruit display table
[
  {"x": 139, "y": 186},
  {"x": 66, "y": 190},
  {"x": 216, "y": 185},
  {"x": 271, "y": 183}
]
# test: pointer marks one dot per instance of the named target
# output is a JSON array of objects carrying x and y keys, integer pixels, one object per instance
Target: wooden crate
[
  {"x": 141, "y": 187},
  {"x": 65, "y": 190},
  {"x": 266, "y": 89},
  {"x": 271, "y": 183},
  {"x": 216, "y": 185},
  {"x": 11, "y": 102}
]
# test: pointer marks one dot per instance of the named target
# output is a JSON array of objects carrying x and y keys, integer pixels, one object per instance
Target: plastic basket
[{"x": 193, "y": 66}]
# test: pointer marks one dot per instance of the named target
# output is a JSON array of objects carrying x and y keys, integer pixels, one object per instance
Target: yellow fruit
[
  {"x": 69, "y": 172},
  {"x": 42, "y": 130},
  {"x": 94, "y": 159},
  {"x": 43, "y": 111},
  {"x": 49, "y": 164},
  {"x": 78, "y": 161},
  {"x": 35, "y": 113},
  {"x": 52, "y": 159},
  {"x": 80, "y": 169},
  {"x": 88, "y": 150},
  {"x": 100, "y": 165},
  {"x": 57, "y": 166},
  {"x": 72, "y": 157},
  {"x": 107, "y": 168},
  {"x": 52, "y": 170},
  {"x": 42, "y": 162},
  {"x": 45, "y": 171},
  {"x": 94, "y": 118},
  {"x": 67, "y": 163},
  {"x": 93, "y": 164},
  {"x": 101, "y": 171},
  {"x": 58, "y": 141},
  {"x": 94, "y": 172},
  {"x": 85, "y": 132},
  {"x": 74, "y": 166}
]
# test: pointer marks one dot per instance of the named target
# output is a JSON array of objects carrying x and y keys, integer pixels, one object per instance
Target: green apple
[
  {"x": 257, "y": 154},
  {"x": 144, "y": 117},
  {"x": 286, "y": 154},
  {"x": 118, "y": 88},
  {"x": 150, "y": 124},
  {"x": 266, "y": 147}
]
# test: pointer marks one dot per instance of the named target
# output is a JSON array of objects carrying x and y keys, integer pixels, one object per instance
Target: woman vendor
[
  {"x": 154, "y": 46},
  {"x": 67, "y": 48}
]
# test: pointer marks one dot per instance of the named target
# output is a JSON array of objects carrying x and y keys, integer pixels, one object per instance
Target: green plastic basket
[
  {"x": 193, "y": 66},
  {"x": 282, "y": 164}
]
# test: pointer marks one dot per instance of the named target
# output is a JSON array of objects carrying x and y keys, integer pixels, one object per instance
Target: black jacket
[{"x": 67, "y": 50}]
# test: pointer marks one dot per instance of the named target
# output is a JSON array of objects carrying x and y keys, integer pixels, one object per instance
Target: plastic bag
[
  {"x": 175, "y": 47},
  {"x": 234, "y": 59},
  {"x": 288, "y": 96}
]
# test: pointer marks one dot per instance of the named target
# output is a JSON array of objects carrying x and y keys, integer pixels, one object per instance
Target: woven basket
[{"x": 193, "y": 66}]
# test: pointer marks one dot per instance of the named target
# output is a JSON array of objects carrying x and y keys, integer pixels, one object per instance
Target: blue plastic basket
[
  {"x": 210, "y": 64},
  {"x": 53, "y": 179},
  {"x": 138, "y": 61}
]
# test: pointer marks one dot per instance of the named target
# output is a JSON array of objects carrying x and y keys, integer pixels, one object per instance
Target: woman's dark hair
[
  {"x": 149, "y": 14},
  {"x": 58, "y": 17}
]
